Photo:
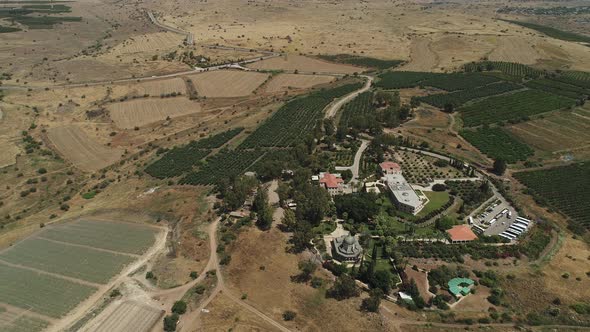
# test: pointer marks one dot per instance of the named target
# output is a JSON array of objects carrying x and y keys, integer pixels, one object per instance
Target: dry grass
[
  {"x": 141, "y": 112},
  {"x": 148, "y": 43},
  {"x": 293, "y": 62},
  {"x": 284, "y": 82},
  {"x": 83, "y": 152},
  {"x": 8, "y": 152},
  {"x": 152, "y": 88},
  {"x": 226, "y": 315},
  {"x": 227, "y": 83}
]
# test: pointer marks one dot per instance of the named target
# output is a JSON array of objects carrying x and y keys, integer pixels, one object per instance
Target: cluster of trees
[
  {"x": 262, "y": 209},
  {"x": 234, "y": 191}
]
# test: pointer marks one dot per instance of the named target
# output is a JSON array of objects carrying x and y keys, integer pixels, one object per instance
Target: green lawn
[{"x": 437, "y": 200}]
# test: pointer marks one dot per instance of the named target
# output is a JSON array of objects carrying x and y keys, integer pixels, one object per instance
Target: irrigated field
[
  {"x": 141, "y": 112},
  {"x": 50, "y": 277},
  {"x": 300, "y": 63},
  {"x": 560, "y": 132},
  {"x": 284, "y": 82},
  {"x": 227, "y": 83},
  {"x": 77, "y": 147},
  {"x": 152, "y": 88},
  {"x": 497, "y": 144}
]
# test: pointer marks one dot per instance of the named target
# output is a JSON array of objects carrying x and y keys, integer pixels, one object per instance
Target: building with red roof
[
  {"x": 333, "y": 183},
  {"x": 389, "y": 167},
  {"x": 461, "y": 234}
]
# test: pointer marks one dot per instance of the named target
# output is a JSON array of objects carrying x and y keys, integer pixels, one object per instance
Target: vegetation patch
[
  {"x": 362, "y": 61},
  {"x": 508, "y": 68},
  {"x": 448, "y": 82},
  {"x": 565, "y": 188},
  {"x": 512, "y": 107},
  {"x": 459, "y": 98},
  {"x": 553, "y": 32},
  {"x": 497, "y": 144},
  {"x": 559, "y": 88}
]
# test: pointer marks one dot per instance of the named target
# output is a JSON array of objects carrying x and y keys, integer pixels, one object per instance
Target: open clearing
[
  {"x": 152, "y": 88},
  {"x": 149, "y": 43},
  {"x": 7, "y": 153},
  {"x": 227, "y": 83},
  {"x": 141, "y": 112},
  {"x": 77, "y": 147},
  {"x": 304, "y": 64},
  {"x": 284, "y": 82},
  {"x": 130, "y": 316},
  {"x": 60, "y": 274}
]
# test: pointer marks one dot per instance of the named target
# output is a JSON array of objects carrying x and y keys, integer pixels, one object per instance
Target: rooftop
[
  {"x": 402, "y": 190},
  {"x": 461, "y": 233},
  {"x": 460, "y": 286},
  {"x": 330, "y": 180}
]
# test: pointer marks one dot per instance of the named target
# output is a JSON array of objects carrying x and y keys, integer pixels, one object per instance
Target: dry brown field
[
  {"x": 141, "y": 112},
  {"x": 226, "y": 315},
  {"x": 153, "y": 88},
  {"x": 152, "y": 43},
  {"x": 284, "y": 82},
  {"x": 227, "y": 83},
  {"x": 292, "y": 62},
  {"x": 130, "y": 316},
  {"x": 81, "y": 150}
]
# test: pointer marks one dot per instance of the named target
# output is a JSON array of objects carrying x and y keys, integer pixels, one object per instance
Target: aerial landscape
[{"x": 294, "y": 165}]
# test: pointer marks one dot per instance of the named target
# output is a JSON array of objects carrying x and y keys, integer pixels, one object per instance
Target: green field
[
  {"x": 558, "y": 88},
  {"x": 436, "y": 200},
  {"x": 40, "y": 293},
  {"x": 121, "y": 237},
  {"x": 362, "y": 61},
  {"x": 507, "y": 68},
  {"x": 359, "y": 107},
  {"x": 224, "y": 165},
  {"x": 72, "y": 261},
  {"x": 448, "y": 82},
  {"x": 565, "y": 188},
  {"x": 516, "y": 106},
  {"x": 459, "y": 98},
  {"x": 498, "y": 144}
]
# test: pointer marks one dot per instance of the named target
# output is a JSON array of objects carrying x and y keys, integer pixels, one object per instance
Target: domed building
[{"x": 347, "y": 248}]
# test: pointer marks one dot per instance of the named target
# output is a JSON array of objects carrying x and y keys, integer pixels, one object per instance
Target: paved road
[{"x": 334, "y": 107}]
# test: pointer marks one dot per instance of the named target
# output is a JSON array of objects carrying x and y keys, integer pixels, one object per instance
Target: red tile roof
[
  {"x": 390, "y": 165},
  {"x": 331, "y": 181},
  {"x": 461, "y": 233}
]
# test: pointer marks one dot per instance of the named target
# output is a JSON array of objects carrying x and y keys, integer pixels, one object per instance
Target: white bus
[
  {"x": 518, "y": 226},
  {"x": 507, "y": 236}
]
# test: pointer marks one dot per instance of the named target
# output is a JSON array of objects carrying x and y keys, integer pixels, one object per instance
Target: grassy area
[{"x": 437, "y": 200}]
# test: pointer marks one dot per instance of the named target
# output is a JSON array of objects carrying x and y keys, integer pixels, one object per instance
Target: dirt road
[{"x": 334, "y": 107}]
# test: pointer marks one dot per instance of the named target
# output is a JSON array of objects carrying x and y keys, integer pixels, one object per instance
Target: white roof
[
  {"x": 405, "y": 296},
  {"x": 402, "y": 190}
]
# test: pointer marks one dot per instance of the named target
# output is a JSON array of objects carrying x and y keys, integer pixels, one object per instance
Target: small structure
[
  {"x": 371, "y": 187},
  {"x": 460, "y": 286},
  {"x": 347, "y": 248},
  {"x": 405, "y": 297},
  {"x": 389, "y": 167},
  {"x": 461, "y": 234},
  {"x": 332, "y": 182}
]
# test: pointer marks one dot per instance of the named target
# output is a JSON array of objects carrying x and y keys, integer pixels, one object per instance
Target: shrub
[
  {"x": 179, "y": 307},
  {"x": 289, "y": 315}
]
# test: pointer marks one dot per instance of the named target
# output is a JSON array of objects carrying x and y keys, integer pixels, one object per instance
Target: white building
[{"x": 404, "y": 195}]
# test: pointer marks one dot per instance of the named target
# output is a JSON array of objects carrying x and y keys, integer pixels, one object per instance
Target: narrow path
[{"x": 334, "y": 107}]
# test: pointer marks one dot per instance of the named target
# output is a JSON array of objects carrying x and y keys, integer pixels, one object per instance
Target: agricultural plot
[
  {"x": 72, "y": 261},
  {"x": 82, "y": 151},
  {"x": 559, "y": 132},
  {"x": 40, "y": 293},
  {"x": 473, "y": 193},
  {"x": 182, "y": 159},
  {"x": 223, "y": 165},
  {"x": 362, "y": 61},
  {"x": 565, "y": 188},
  {"x": 361, "y": 106},
  {"x": 19, "y": 322},
  {"x": 283, "y": 82},
  {"x": 295, "y": 119},
  {"x": 498, "y": 144},
  {"x": 558, "y": 88},
  {"x": 459, "y": 98},
  {"x": 141, "y": 112},
  {"x": 577, "y": 78},
  {"x": 402, "y": 79},
  {"x": 227, "y": 83},
  {"x": 514, "y": 106},
  {"x": 421, "y": 169},
  {"x": 121, "y": 237},
  {"x": 552, "y": 32},
  {"x": 131, "y": 316},
  {"x": 151, "y": 88},
  {"x": 508, "y": 68},
  {"x": 448, "y": 82},
  {"x": 303, "y": 64},
  {"x": 147, "y": 44}
]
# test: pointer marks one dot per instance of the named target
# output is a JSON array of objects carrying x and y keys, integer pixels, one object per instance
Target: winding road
[{"x": 335, "y": 106}]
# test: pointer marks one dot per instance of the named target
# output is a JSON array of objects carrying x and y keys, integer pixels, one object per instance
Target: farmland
[
  {"x": 284, "y": 82},
  {"x": 563, "y": 188},
  {"x": 361, "y": 107},
  {"x": 223, "y": 165},
  {"x": 182, "y": 159},
  {"x": 402, "y": 79},
  {"x": 497, "y": 144},
  {"x": 21, "y": 323},
  {"x": 130, "y": 316},
  {"x": 552, "y": 32},
  {"x": 558, "y": 88},
  {"x": 151, "y": 88},
  {"x": 159, "y": 41},
  {"x": 82, "y": 151},
  {"x": 508, "y": 68},
  {"x": 448, "y": 82},
  {"x": 515, "y": 106},
  {"x": 303, "y": 64},
  {"x": 362, "y": 61},
  {"x": 227, "y": 83},
  {"x": 141, "y": 112},
  {"x": 459, "y": 98},
  {"x": 295, "y": 119}
]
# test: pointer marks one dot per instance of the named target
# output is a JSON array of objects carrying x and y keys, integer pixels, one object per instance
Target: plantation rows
[
  {"x": 577, "y": 78},
  {"x": 509, "y": 68},
  {"x": 566, "y": 189},
  {"x": 294, "y": 120},
  {"x": 182, "y": 159},
  {"x": 225, "y": 164},
  {"x": 362, "y": 61},
  {"x": 514, "y": 106},
  {"x": 458, "y": 98},
  {"x": 448, "y": 82},
  {"x": 558, "y": 88},
  {"x": 552, "y": 32},
  {"x": 455, "y": 252},
  {"x": 362, "y": 105},
  {"x": 498, "y": 144}
]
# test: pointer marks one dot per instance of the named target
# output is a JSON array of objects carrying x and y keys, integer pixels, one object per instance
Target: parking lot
[{"x": 494, "y": 217}]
